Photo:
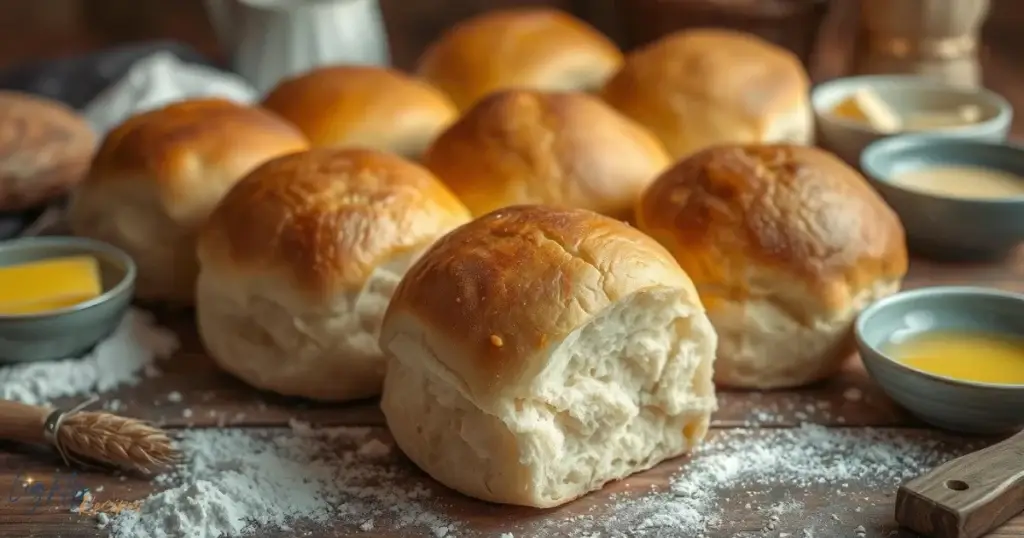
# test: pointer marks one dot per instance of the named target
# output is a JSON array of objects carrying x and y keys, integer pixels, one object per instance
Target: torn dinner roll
[
  {"x": 697, "y": 88},
  {"x": 786, "y": 245},
  {"x": 530, "y": 147},
  {"x": 157, "y": 176},
  {"x": 298, "y": 263},
  {"x": 530, "y": 47},
  {"x": 537, "y": 353},
  {"x": 362, "y": 106}
]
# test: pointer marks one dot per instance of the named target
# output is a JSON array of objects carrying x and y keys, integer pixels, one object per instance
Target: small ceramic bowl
[
  {"x": 964, "y": 406},
  {"x": 947, "y": 227},
  {"x": 68, "y": 332},
  {"x": 906, "y": 94}
]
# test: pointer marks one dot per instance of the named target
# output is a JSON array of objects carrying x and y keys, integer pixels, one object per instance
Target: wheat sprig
[{"x": 117, "y": 441}]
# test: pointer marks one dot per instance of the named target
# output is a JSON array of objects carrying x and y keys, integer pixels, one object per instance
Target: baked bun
[
  {"x": 528, "y": 147},
  {"x": 45, "y": 149},
  {"x": 698, "y": 88},
  {"x": 533, "y": 47},
  {"x": 537, "y": 353},
  {"x": 158, "y": 175},
  {"x": 786, "y": 244},
  {"x": 370, "y": 107},
  {"x": 299, "y": 261}
]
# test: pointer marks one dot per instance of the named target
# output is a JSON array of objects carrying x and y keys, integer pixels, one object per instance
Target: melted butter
[
  {"x": 962, "y": 182},
  {"x": 967, "y": 356}
]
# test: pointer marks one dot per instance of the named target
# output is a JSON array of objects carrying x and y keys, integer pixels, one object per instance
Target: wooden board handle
[{"x": 966, "y": 497}]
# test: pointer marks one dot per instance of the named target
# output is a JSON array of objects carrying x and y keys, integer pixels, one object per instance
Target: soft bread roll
[
  {"x": 528, "y": 147},
  {"x": 158, "y": 175},
  {"x": 537, "y": 353},
  {"x": 369, "y": 107},
  {"x": 786, "y": 244},
  {"x": 299, "y": 261},
  {"x": 533, "y": 47},
  {"x": 698, "y": 88},
  {"x": 45, "y": 149}
]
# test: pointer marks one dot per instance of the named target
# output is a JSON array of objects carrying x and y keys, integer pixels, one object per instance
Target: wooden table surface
[
  {"x": 216, "y": 400},
  {"x": 861, "y": 508}
]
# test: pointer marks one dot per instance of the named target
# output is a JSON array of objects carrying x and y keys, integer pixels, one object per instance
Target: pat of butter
[
  {"x": 866, "y": 106},
  {"x": 46, "y": 285}
]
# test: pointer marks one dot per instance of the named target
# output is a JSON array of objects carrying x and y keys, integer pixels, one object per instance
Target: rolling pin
[{"x": 966, "y": 497}]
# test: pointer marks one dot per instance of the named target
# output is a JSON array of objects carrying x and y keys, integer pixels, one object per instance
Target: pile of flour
[
  {"x": 235, "y": 482},
  {"x": 122, "y": 359}
]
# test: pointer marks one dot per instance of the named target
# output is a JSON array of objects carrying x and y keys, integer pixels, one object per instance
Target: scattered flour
[
  {"x": 234, "y": 483},
  {"x": 121, "y": 359},
  {"x": 805, "y": 462}
]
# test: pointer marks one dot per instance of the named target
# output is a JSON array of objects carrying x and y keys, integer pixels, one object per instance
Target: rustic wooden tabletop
[{"x": 850, "y": 405}]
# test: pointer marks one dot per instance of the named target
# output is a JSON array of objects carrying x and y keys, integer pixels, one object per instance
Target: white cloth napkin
[
  {"x": 157, "y": 80},
  {"x": 153, "y": 81}
]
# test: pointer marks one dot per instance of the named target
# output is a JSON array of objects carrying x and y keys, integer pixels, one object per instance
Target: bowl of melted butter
[
  {"x": 952, "y": 356},
  {"x": 958, "y": 199}
]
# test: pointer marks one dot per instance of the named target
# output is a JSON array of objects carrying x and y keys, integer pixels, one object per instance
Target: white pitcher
[{"x": 269, "y": 40}]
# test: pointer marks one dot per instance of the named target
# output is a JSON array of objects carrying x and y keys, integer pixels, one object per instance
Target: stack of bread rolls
[{"x": 460, "y": 242}]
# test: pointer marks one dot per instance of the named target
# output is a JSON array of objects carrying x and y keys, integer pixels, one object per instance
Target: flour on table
[
  {"x": 122, "y": 359},
  {"x": 235, "y": 482},
  {"x": 794, "y": 459}
]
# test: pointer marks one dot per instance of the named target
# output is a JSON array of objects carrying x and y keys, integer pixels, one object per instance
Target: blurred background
[{"x": 41, "y": 29}]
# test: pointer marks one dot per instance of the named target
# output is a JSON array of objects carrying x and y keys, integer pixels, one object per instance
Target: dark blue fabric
[{"x": 75, "y": 81}]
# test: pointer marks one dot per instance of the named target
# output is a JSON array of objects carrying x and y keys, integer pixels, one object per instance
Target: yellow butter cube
[{"x": 46, "y": 285}]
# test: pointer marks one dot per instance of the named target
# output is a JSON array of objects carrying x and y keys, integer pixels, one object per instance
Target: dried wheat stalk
[{"x": 118, "y": 441}]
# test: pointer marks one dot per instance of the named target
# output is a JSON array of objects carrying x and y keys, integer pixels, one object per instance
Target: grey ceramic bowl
[
  {"x": 946, "y": 227},
  {"x": 71, "y": 331},
  {"x": 964, "y": 406},
  {"x": 905, "y": 93}
]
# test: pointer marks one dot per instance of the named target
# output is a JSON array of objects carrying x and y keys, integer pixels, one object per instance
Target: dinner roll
[
  {"x": 532, "y": 47},
  {"x": 529, "y": 147},
  {"x": 45, "y": 149},
  {"x": 298, "y": 263},
  {"x": 370, "y": 107},
  {"x": 697, "y": 88},
  {"x": 786, "y": 244},
  {"x": 158, "y": 175},
  {"x": 537, "y": 353}
]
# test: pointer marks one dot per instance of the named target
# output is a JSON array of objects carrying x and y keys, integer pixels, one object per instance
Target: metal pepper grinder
[{"x": 938, "y": 38}]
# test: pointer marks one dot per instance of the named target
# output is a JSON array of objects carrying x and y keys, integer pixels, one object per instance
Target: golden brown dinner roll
[
  {"x": 786, "y": 244},
  {"x": 45, "y": 149},
  {"x": 158, "y": 175},
  {"x": 537, "y": 353},
  {"x": 299, "y": 261},
  {"x": 530, "y": 147},
  {"x": 533, "y": 47},
  {"x": 697, "y": 88},
  {"x": 369, "y": 107}
]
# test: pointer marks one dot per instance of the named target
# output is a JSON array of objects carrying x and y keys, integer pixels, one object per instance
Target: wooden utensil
[
  {"x": 85, "y": 437},
  {"x": 966, "y": 497}
]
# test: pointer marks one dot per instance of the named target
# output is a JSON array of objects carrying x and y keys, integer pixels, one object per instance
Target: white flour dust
[
  {"x": 234, "y": 483},
  {"x": 793, "y": 459},
  {"x": 122, "y": 359}
]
